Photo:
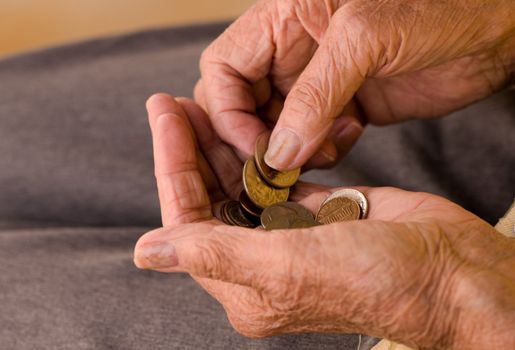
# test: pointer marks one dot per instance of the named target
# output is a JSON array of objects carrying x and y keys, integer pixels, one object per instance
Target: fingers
[
  {"x": 325, "y": 157},
  {"x": 237, "y": 67},
  {"x": 229, "y": 67},
  {"x": 259, "y": 45},
  {"x": 332, "y": 77},
  {"x": 198, "y": 94},
  {"x": 347, "y": 128},
  {"x": 261, "y": 91},
  {"x": 224, "y": 162},
  {"x": 182, "y": 194}
]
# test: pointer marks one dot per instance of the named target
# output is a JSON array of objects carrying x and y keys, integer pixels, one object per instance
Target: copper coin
[
  {"x": 338, "y": 209},
  {"x": 217, "y": 210},
  {"x": 355, "y": 195},
  {"x": 255, "y": 220},
  {"x": 234, "y": 215},
  {"x": 279, "y": 179},
  {"x": 224, "y": 214},
  {"x": 287, "y": 215},
  {"x": 258, "y": 191},
  {"x": 248, "y": 206}
]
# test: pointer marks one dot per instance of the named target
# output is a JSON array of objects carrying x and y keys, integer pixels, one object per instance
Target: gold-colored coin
[
  {"x": 273, "y": 177},
  {"x": 338, "y": 209},
  {"x": 258, "y": 191}
]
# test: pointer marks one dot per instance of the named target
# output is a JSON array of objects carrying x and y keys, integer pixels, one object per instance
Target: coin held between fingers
[
  {"x": 259, "y": 192},
  {"x": 278, "y": 179},
  {"x": 283, "y": 149}
]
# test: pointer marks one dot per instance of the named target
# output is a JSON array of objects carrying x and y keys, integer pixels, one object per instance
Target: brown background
[{"x": 30, "y": 24}]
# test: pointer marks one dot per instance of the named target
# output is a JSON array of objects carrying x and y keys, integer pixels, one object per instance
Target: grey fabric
[
  {"x": 76, "y": 288},
  {"x": 77, "y": 190}
]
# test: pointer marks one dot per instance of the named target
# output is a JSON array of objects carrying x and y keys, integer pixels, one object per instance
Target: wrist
[{"x": 482, "y": 310}]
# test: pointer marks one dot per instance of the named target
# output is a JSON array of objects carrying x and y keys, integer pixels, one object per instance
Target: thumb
[
  {"x": 319, "y": 96},
  {"x": 210, "y": 250}
]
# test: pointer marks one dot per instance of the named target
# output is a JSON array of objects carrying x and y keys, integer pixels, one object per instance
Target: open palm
[{"x": 403, "y": 273}]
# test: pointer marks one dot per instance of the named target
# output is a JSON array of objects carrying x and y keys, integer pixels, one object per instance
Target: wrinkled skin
[
  {"x": 420, "y": 270},
  {"x": 321, "y": 70}
]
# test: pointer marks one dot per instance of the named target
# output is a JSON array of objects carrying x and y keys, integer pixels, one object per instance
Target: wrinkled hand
[
  {"x": 320, "y": 70},
  {"x": 421, "y": 270}
]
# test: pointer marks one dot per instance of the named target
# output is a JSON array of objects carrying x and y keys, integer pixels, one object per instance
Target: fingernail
[
  {"x": 329, "y": 151},
  {"x": 321, "y": 160},
  {"x": 328, "y": 157},
  {"x": 283, "y": 149},
  {"x": 348, "y": 136},
  {"x": 156, "y": 255}
]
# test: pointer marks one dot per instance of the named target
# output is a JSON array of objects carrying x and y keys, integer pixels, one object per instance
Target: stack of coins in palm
[{"x": 264, "y": 200}]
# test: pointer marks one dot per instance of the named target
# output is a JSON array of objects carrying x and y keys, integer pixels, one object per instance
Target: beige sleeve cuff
[{"x": 506, "y": 224}]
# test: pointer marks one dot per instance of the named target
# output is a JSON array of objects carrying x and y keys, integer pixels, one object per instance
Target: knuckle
[
  {"x": 208, "y": 257},
  {"x": 211, "y": 59},
  {"x": 355, "y": 15},
  {"x": 365, "y": 39},
  {"x": 198, "y": 91},
  {"x": 216, "y": 257},
  {"x": 309, "y": 100},
  {"x": 207, "y": 55}
]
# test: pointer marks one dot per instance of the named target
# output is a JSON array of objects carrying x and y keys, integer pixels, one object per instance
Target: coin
[
  {"x": 258, "y": 191},
  {"x": 353, "y": 194},
  {"x": 338, "y": 209},
  {"x": 233, "y": 215},
  {"x": 248, "y": 206},
  {"x": 286, "y": 215},
  {"x": 217, "y": 210},
  {"x": 279, "y": 179}
]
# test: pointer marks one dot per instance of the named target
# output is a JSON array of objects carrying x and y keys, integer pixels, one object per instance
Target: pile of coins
[{"x": 264, "y": 200}]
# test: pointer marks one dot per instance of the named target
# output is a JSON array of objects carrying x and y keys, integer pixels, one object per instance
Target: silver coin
[
  {"x": 287, "y": 215},
  {"x": 354, "y": 195}
]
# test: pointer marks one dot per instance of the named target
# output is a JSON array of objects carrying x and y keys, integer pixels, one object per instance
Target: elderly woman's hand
[
  {"x": 320, "y": 70},
  {"x": 420, "y": 270}
]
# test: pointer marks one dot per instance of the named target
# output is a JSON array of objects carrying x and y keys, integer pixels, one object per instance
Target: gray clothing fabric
[{"x": 77, "y": 190}]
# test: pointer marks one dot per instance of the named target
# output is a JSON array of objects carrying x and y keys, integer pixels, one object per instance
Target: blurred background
[{"x": 32, "y": 24}]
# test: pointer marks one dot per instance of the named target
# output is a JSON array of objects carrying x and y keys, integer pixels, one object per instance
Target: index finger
[{"x": 239, "y": 57}]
